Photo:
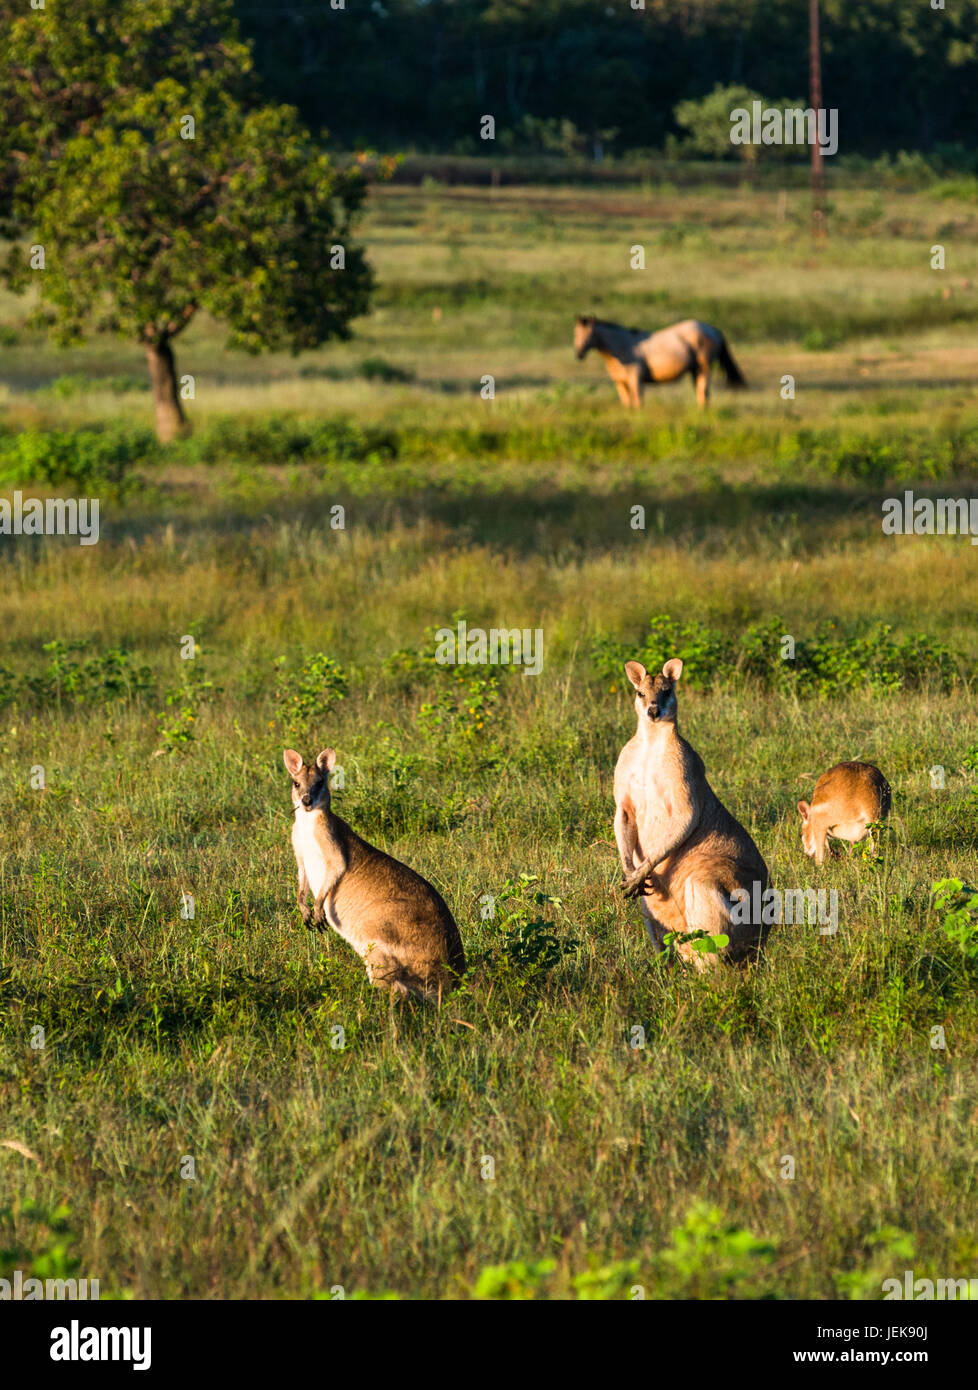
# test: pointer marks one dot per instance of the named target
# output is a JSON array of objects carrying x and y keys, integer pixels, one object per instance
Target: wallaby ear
[
  {"x": 326, "y": 760},
  {"x": 293, "y": 761},
  {"x": 803, "y": 809},
  {"x": 673, "y": 669},
  {"x": 635, "y": 672}
]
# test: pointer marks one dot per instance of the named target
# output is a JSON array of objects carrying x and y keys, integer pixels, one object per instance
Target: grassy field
[{"x": 638, "y": 1118}]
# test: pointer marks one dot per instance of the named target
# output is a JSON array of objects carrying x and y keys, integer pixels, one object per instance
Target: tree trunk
[{"x": 170, "y": 419}]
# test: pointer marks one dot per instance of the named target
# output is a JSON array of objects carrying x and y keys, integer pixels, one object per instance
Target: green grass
[{"x": 215, "y": 1036}]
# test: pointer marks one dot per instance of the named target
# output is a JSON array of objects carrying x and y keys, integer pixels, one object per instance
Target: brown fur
[
  {"x": 680, "y": 848},
  {"x": 845, "y": 800},
  {"x": 391, "y": 916},
  {"x": 636, "y": 359}
]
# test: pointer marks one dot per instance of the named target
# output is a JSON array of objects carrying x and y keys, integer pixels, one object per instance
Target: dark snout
[
  {"x": 307, "y": 801},
  {"x": 581, "y": 353}
]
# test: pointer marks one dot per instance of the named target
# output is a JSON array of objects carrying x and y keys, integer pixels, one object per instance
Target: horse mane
[{"x": 610, "y": 323}]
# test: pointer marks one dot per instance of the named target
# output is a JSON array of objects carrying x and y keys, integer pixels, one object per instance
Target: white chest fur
[{"x": 309, "y": 840}]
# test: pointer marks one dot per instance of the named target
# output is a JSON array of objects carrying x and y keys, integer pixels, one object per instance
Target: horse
[{"x": 636, "y": 359}]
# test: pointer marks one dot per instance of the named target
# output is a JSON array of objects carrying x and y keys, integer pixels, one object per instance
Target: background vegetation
[{"x": 572, "y": 75}]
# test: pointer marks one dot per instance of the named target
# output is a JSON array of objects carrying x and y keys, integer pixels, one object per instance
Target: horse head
[{"x": 584, "y": 334}]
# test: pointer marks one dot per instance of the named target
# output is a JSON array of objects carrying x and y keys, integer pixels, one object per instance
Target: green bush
[
  {"x": 87, "y": 458},
  {"x": 379, "y": 369},
  {"x": 282, "y": 438},
  {"x": 303, "y": 695},
  {"x": 78, "y": 384},
  {"x": 825, "y": 664},
  {"x": 72, "y": 677}
]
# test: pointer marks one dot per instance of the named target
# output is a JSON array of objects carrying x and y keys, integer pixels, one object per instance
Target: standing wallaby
[
  {"x": 390, "y": 915},
  {"x": 845, "y": 800},
  {"x": 681, "y": 850}
]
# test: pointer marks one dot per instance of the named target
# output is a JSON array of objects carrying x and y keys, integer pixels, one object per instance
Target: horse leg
[
  {"x": 635, "y": 382},
  {"x": 624, "y": 395},
  {"x": 702, "y": 387}
]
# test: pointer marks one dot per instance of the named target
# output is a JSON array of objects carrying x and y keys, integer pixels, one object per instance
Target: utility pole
[{"x": 815, "y": 102}]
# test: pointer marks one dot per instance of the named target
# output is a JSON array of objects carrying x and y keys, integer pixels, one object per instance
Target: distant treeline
[{"x": 599, "y": 76}]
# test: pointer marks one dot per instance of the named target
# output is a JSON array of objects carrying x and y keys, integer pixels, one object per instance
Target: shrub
[
  {"x": 88, "y": 458},
  {"x": 957, "y": 904},
  {"x": 285, "y": 439},
  {"x": 825, "y": 664},
  {"x": 303, "y": 695},
  {"x": 78, "y": 384},
  {"x": 378, "y": 369},
  {"x": 70, "y": 678}
]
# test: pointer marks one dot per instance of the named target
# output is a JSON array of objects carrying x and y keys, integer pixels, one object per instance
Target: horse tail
[{"x": 732, "y": 372}]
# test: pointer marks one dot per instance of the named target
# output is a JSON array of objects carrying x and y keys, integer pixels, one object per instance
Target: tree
[{"x": 156, "y": 186}]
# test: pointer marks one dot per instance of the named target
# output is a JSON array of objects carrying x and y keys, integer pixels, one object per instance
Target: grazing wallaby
[
  {"x": 390, "y": 915},
  {"x": 845, "y": 800},
  {"x": 680, "y": 848}
]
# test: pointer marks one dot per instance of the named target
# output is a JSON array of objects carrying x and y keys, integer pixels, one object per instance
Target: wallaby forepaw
[{"x": 634, "y": 883}]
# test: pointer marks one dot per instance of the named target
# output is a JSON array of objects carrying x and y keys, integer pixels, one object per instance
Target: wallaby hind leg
[
  {"x": 662, "y": 916},
  {"x": 708, "y": 909},
  {"x": 385, "y": 972},
  {"x": 427, "y": 980},
  {"x": 654, "y": 927},
  {"x": 303, "y": 894}
]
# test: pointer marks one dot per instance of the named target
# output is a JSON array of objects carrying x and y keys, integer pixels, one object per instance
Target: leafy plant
[
  {"x": 710, "y": 1258},
  {"x": 519, "y": 1280},
  {"x": 185, "y": 701},
  {"x": 49, "y": 1257},
  {"x": 526, "y": 942},
  {"x": 69, "y": 679},
  {"x": 957, "y": 903},
  {"x": 303, "y": 695},
  {"x": 887, "y": 1250},
  {"x": 826, "y": 663},
  {"x": 89, "y": 457},
  {"x": 698, "y": 940}
]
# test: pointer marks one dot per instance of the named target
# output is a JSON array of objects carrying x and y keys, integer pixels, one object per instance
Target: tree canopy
[
  {"x": 398, "y": 74},
  {"x": 154, "y": 184}
]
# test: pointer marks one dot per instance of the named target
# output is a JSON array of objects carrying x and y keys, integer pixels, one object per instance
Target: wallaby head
[
  {"x": 583, "y": 329},
  {"x": 807, "y": 829},
  {"x": 655, "y": 696},
  {"x": 310, "y": 785}
]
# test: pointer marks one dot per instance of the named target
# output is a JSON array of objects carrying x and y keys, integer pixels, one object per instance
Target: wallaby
[
  {"x": 390, "y": 915},
  {"x": 681, "y": 850},
  {"x": 845, "y": 800}
]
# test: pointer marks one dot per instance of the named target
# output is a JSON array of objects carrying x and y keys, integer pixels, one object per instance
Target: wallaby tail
[{"x": 732, "y": 372}]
